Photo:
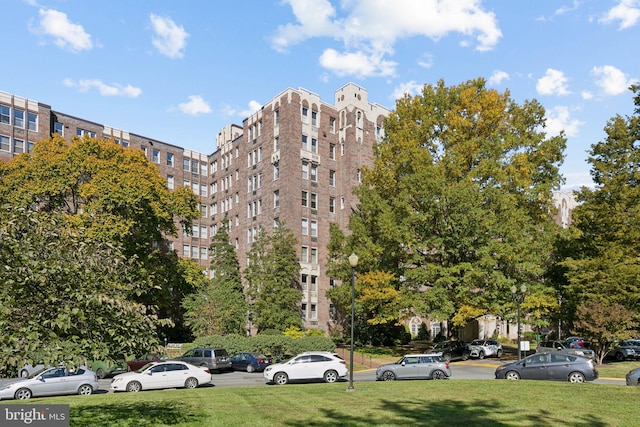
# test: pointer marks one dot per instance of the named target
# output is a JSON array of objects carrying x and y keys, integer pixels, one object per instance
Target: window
[
  {"x": 18, "y": 146},
  {"x": 314, "y": 312},
  {"x": 170, "y": 159},
  {"x": 203, "y": 252},
  {"x": 305, "y": 115},
  {"x": 314, "y": 283},
  {"x": 305, "y": 226},
  {"x": 304, "y": 254},
  {"x": 170, "y": 184},
  {"x": 314, "y": 228},
  {"x": 314, "y": 145},
  {"x": 276, "y": 143},
  {"x": 276, "y": 170},
  {"x": 332, "y": 151},
  {"x": 359, "y": 176},
  {"x": 32, "y": 121},
  {"x": 314, "y": 173},
  {"x": 18, "y": 118},
  {"x": 332, "y": 178},
  {"x": 314, "y": 118},
  {"x": 341, "y": 202},
  {"x": 332, "y": 204},
  {"x": 314, "y": 201},
  {"x": 314, "y": 256},
  {"x": 305, "y": 197},
  {"x": 144, "y": 149},
  {"x": 5, "y": 143},
  {"x": 84, "y": 132},
  {"x": 303, "y": 311},
  {"x": 156, "y": 156},
  {"x": 305, "y": 170},
  {"x": 305, "y": 144},
  {"x": 186, "y": 164},
  {"x": 203, "y": 190},
  {"x": 30, "y": 145},
  {"x": 276, "y": 199},
  {"x": 203, "y": 213},
  {"x": 304, "y": 282},
  {"x": 58, "y": 128},
  {"x": 195, "y": 167},
  {"x": 5, "y": 114},
  {"x": 332, "y": 124},
  {"x": 276, "y": 117}
]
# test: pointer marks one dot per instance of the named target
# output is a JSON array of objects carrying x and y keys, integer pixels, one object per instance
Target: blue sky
[{"x": 180, "y": 71}]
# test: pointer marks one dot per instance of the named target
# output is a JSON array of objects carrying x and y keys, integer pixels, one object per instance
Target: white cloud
[
  {"x": 66, "y": 35},
  {"x": 368, "y": 29},
  {"x": 170, "y": 39},
  {"x": 196, "y": 105},
  {"x": 612, "y": 80},
  {"x": 558, "y": 119},
  {"x": 84, "y": 85},
  {"x": 356, "y": 63},
  {"x": 411, "y": 88},
  {"x": 252, "y": 108},
  {"x": 497, "y": 77},
  {"x": 626, "y": 11},
  {"x": 586, "y": 95},
  {"x": 427, "y": 61},
  {"x": 554, "y": 82},
  {"x": 566, "y": 9}
]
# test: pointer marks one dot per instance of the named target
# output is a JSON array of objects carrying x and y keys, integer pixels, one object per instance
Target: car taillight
[
  {"x": 343, "y": 362},
  {"x": 207, "y": 371},
  {"x": 260, "y": 360},
  {"x": 446, "y": 365}
]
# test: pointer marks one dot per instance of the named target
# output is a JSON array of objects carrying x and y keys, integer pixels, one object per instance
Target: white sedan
[
  {"x": 159, "y": 375},
  {"x": 312, "y": 365}
]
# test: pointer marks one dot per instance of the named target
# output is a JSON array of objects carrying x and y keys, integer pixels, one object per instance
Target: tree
[
  {"x": 273, "y": 279},
  {"x": 65, "y": 296},
  {"x": 471, "y": 175},
  {"x": 115, "y": 195},
  {"x": 602, "y": 265},
  {"x": 219, "y": 306}
]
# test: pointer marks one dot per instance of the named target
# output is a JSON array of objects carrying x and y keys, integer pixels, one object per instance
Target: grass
[{"x": 410, "y": 403}]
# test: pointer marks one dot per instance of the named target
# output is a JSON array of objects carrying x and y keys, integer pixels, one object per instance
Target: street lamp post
[
  {"x": 353, "y": 262},
  {"x": 518, "y": 298}
]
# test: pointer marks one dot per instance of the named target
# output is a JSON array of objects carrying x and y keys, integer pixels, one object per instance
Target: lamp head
[{"x": 353, "y": 260}]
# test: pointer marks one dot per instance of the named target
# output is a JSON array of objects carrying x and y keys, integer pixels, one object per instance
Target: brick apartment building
[{"x": 293, "y": 162}]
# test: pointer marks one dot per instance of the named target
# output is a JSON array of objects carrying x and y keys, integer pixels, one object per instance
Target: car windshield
[
  {"x": 477, "y": 342},
  {"x": 38, "y": 372},
  {"x": 440, "y": 346},
  {"x": 145, "y": 367}
]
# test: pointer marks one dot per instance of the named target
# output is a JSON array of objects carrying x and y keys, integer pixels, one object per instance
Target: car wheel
[
  {"x": 330, "y": 377},
  {"x": 388, "y": 376},
  {"x": 191, "y": 383},
  {"x": 576, "y": 377},
  {"x": 24, "y": 373},
  {"x": 512, "y": 375},
  {"x": 499, "y": 354},
  {"x": 280, "y": 378},
  {"x": 134, "y": 387},
  {"x": 620, "y": 357},
  {"x": 465, "y": 356},
  {"x": 438, "y": 375},
  {"x": 23, "y": 394},
  {"x": 481, "y": 355},
  {"x": 85, "y": 390},
  {"x": 250, "y": 368},
  {"x": 447, "y": 357},
  {"x": 100, "y": 373}
]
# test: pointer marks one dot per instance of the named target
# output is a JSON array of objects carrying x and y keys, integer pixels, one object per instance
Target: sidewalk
[{"x": 360, "y": 358}]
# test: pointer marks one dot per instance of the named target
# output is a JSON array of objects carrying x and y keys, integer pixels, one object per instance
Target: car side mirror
[{"x": 403, "y": 363}]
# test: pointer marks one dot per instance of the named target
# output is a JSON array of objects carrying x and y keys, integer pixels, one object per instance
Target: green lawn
[{"x": 471, "y": 403}]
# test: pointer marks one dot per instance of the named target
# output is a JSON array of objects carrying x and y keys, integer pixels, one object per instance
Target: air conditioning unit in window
[{"x": 275, "y": 156}]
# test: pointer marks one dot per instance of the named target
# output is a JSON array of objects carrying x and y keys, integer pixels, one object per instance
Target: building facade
[{"x": 293, "y": 162}]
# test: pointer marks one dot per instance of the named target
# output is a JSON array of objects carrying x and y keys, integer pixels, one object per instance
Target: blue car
[{"x": 250, "y": 362}]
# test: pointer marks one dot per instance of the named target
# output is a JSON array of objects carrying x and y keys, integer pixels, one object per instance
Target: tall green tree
[
  {"x": 64, "y": 296},
  {"x": 115, "y": 195},
  {"x": 603, "y": 266},
  {"x": 219, "y": 307},
  {"x": 273, "y": 279},
  {"x": 456, "y": 205}
]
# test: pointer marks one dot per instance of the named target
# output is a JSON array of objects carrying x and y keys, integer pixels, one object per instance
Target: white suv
[
  {"x": 311, "y": 365},
  {"x": 484, "y": 348}
]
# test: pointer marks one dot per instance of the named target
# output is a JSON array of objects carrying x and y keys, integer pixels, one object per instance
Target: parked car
[
  {"x": 485, "y": 348},
  {"x": 547, "y": 346},
  {"x": 250, "y": 362},
  {"x": 216, "y": 359},
  {"x": 51, "y": 382},
  {"x": 105, "y": 368},
  {"x": 138, "y": 363},
  {"x": 633, "y": 377},
  {"x": 452, "y": 350},
  {"x": 550, "y": 366},
  {"x": 577, "y": 342},
  {"x": 311, "y": 365},
  {"x": 414, "y": 367},
  {"x": 626, "y": 349},
  {"x": 27, "y": 370},
  {"x": 159, "y": 375}
]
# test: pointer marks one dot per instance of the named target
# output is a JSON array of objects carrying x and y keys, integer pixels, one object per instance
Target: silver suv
[
  {"x": 550, "y": 346},
  {"x": 216, "y": 359},
  {"x": 484, "y": 348}
]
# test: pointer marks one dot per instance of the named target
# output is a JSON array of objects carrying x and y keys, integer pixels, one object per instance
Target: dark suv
[
  {"x": 452, "y": 350},
  {"x": 216, "y": 359}
]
